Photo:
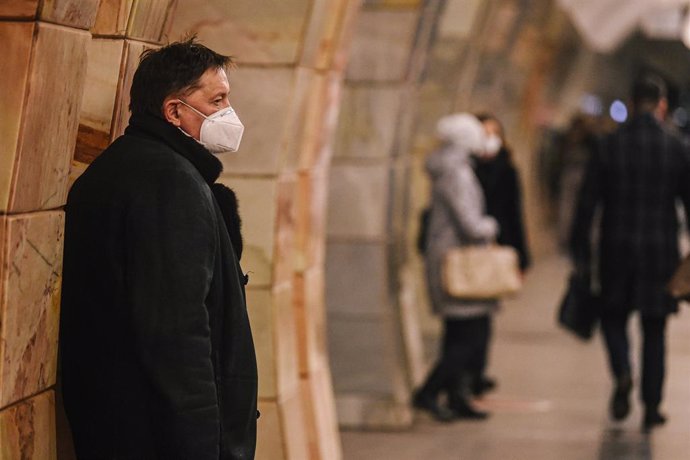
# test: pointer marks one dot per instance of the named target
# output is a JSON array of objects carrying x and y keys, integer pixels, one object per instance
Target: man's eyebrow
[{"x": 219, "y": 93}]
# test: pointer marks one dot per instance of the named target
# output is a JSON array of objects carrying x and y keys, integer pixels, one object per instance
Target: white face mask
[
  {"x": 221, "y": 131},
  {"x": 492, "y": 145}
]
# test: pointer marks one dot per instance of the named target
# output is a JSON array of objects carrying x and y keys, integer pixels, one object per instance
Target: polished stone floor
[{"x": 552, "y": 400}]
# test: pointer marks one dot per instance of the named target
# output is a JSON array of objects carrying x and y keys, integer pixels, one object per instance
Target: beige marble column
[
  {"x": 43, "y": 71},
  {"x": 286, "y": 89},
  {"x": 375, "y": 345}
]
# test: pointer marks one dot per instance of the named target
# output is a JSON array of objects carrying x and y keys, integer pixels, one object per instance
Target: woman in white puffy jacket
[{"x": 457, "y": 218}]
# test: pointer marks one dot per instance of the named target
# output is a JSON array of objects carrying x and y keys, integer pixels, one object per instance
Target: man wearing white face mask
[{"x": 156, "y": 349}]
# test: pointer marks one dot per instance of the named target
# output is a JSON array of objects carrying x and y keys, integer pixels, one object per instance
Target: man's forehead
[{"x": 214, "y": 81}]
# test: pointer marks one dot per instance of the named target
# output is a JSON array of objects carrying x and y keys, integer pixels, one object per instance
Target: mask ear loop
[{"x": 205, "y": 117}]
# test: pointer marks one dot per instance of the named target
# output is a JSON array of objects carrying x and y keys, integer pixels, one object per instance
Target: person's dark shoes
[
  {"x": 483, "y": 384},
  {"x": 620, "y": 400},
  {"x": 423, "y": 401},
  {"x": 465, "y": 410},
  {"x": 652, "y": 419}
]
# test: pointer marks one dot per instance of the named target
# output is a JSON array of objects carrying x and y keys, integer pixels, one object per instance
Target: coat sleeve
[
  {"x": 461, "y": 193},
  {"x": 684, "y": 183},
  {"x": 588, "y": 200},
  {"x": 517, "y": 231},
  {"x": 170, "y": 249}
]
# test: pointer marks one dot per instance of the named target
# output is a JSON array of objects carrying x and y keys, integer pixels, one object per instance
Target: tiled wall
[
  {"x": 43, "y": 69},
  {"x": 374, "y": 354}
]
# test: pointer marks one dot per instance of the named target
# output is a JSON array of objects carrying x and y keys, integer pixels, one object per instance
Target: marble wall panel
[
  {"x": 310, "y": 311},
  {"x": 29, "y": 309},
  {"x": 368, "y": 122},
  {"x": 275, "y": 337},
  {"x": 259, "y": 306},
  {"x": 18, "y": 9},
  {"x": 399, "y": 215},
  {"x": 310, "y": 224},
  {"x": 294, "y": 427},
  {"x": 391, "y": 4},
  {"x": 80, "y": 14},
  {"x": 328, "y": 35},
  {"x": 324, "y": 439},
  {"x": 27, "y": 430},
  {"x": 112, "y": 18},
  {"x": 283, "y": 260},
  {"x": 258, "y": 209},
  {"x": 264, "y": 102},
  {"x": 358, "y": 199},
  {"x": 14, "y": 68},
  {"x": 382, "y": 45},
  {"x": 304, "y": 119},
  {"x": 254, "y": 31},
  {"x": 321, "y": 124},
  {"x": 100, "y": 92},
  {"x": 361, "y": 361},
  {"x": 48, "y": 137},
  {"x": 374, "y": 412},
  {"x": 356, "y": 279},
  {"x": 150, "y": 20},
  {"x": 269, "y": 442}
]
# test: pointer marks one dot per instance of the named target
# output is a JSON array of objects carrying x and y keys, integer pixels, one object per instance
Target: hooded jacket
[
  {"x": 156, "y": 349},
  {"x": 457, "y": 218}
]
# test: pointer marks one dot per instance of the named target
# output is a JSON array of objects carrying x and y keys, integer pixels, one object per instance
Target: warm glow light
[{"x": 618, "y": 111}]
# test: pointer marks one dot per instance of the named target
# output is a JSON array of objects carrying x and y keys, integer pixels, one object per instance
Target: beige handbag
[{"x": 481, "y": 272}]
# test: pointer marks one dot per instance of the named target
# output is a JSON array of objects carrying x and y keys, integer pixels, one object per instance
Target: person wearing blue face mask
[{"x": 157, "y": 355}]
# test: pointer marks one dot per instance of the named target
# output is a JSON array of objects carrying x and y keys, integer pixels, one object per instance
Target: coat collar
[{"x": 204, "y": 161}]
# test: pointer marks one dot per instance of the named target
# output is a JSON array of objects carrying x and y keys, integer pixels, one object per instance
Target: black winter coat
[
  {"x": 156, "y": 349},
  {"x": 636, "y": 176},
  {"x": 501, "y": 185}
]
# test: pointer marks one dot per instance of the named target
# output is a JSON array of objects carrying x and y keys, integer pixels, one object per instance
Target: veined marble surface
[
  {"x": 29, "y": 308},
  {"x": 27, "y": 430}
]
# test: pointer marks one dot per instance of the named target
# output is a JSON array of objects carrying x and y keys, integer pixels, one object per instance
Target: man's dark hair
[
  {"x": 170, "y": 70},
  {"x": 647, "y": 91}
]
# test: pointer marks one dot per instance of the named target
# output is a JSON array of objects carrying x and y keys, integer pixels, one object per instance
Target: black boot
[
  {"x": 652, "y": 418},
  {"x": 459, "y": 402},
  {"x": 426, "y": 398},
  {"x": 482, "y": 384},
  {"x": 428, "y": 403},
  {"x": 620, "y": 399}
]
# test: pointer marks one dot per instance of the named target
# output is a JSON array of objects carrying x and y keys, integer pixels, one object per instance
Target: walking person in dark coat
[
  {"x": 500, "y": 183},
  {"x": 637, "y": 175},
  {"x": 156, "y": 349}
]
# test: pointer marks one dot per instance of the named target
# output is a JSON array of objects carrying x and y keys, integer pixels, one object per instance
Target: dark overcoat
[
  {"x": 157, "y": 357},
  {"x": 637, "y": 175},
  {"x": 501, "y": 186}
]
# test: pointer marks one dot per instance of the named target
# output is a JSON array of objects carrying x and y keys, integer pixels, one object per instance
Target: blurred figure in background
[
  {"x": 636, "y": 176},
  {"x": 576, "y": 147},
  {"x": 457, "y": 218},
  {"x": 500, "y": 183}
]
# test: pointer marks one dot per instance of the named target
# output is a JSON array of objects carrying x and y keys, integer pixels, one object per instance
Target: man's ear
[{"x": 170, "y": 111}]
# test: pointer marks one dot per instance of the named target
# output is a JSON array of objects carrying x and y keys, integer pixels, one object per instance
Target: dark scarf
[{"x": 204, "y": 161}]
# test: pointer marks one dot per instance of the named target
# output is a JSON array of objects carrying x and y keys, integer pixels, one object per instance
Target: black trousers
[
  {"x": 614, "y": 327},
  {"x": 463, "y": 340},
  {"x": 479, "y": 362}
]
